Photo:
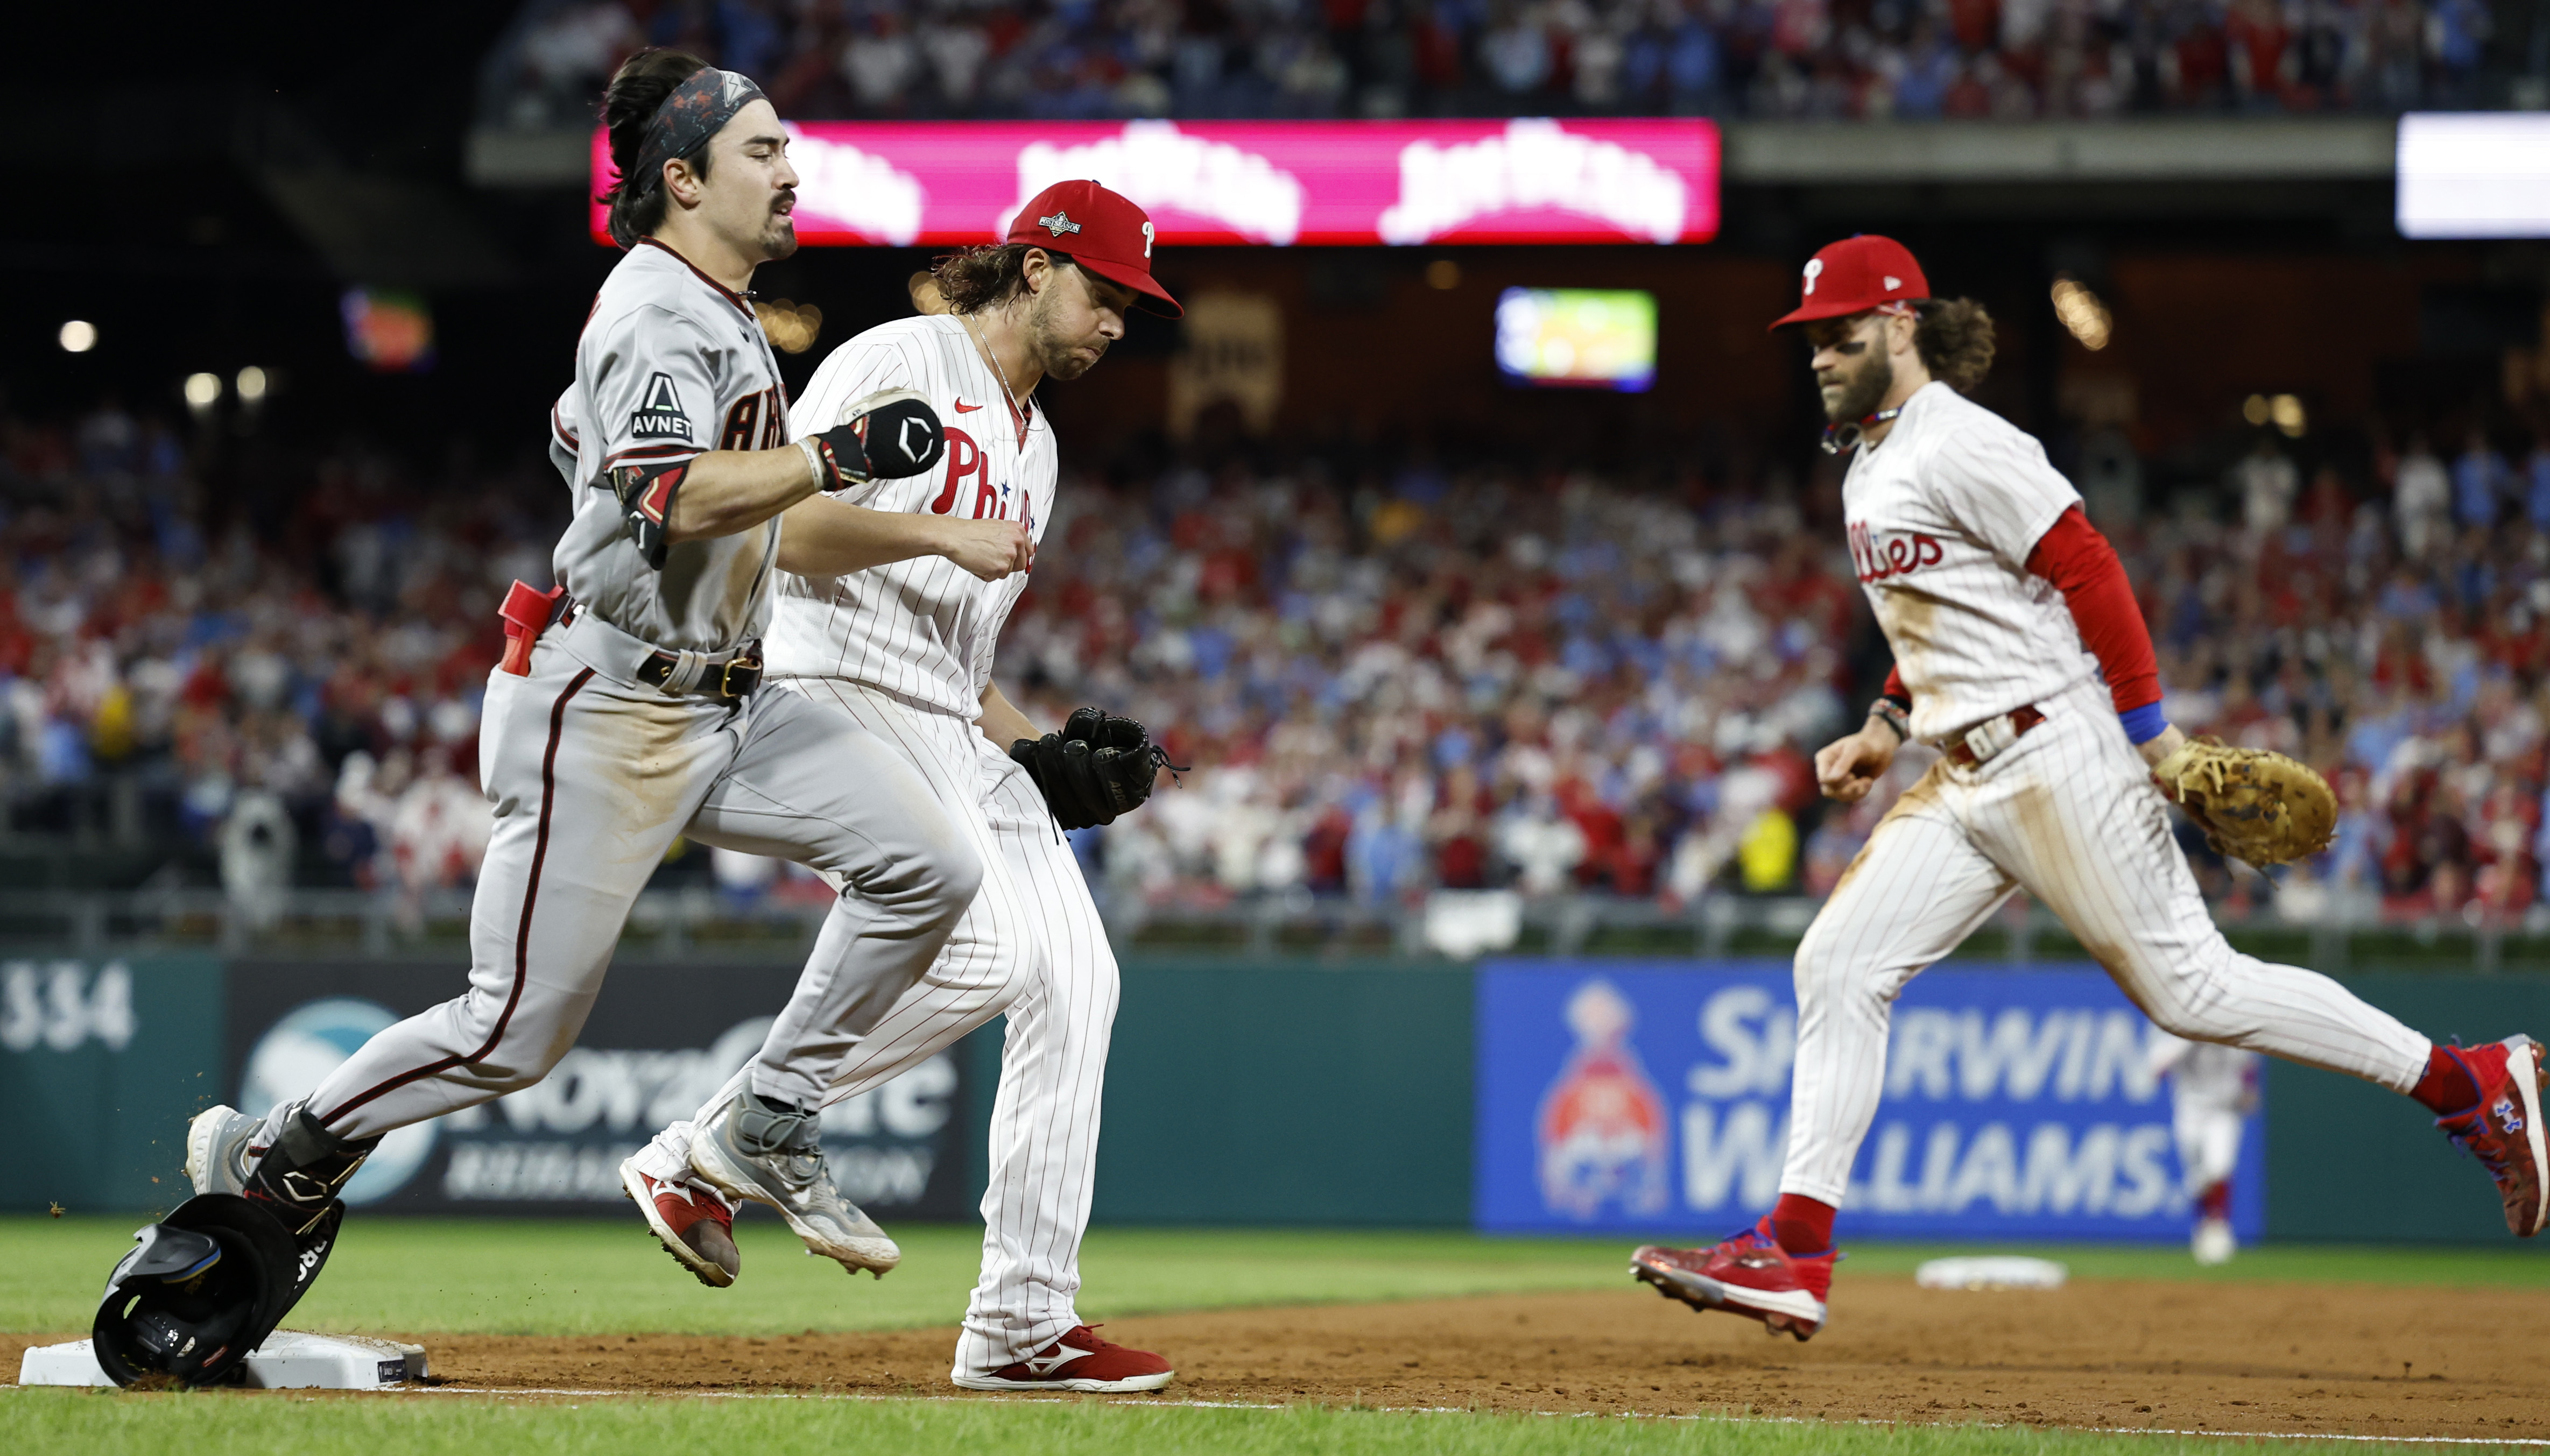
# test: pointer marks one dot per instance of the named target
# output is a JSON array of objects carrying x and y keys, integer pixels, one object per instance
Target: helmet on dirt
[{"x": 199, "y": 1290}]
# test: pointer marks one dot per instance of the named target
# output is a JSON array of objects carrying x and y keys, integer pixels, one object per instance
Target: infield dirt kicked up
[{"x": 2324, "y": 1359}]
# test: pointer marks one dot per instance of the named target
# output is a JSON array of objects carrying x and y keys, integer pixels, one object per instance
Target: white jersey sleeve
[{"x": 1998, "y": 484}]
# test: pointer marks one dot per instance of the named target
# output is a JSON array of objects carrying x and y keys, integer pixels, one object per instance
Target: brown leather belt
[{"x": 2021, "y": 721}]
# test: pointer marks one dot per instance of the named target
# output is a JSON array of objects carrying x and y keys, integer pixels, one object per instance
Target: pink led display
[{"x": 1280, "y": 183}]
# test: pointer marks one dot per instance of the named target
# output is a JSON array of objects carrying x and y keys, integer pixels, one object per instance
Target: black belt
[{"x": 734, "y": 678}]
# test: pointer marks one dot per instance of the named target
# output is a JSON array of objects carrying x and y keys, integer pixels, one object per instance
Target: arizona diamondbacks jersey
[
  {"x": 922, "y": 630},
  {"x": 671, "y": 364},
  {"x": 1943, "y": 515}
]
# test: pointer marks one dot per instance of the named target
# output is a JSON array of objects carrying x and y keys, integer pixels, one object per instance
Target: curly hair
[
  {"x": 980, "y": 278},
  {"x": 636, "y": 93},
  {"x": 1954, "y": 337}
]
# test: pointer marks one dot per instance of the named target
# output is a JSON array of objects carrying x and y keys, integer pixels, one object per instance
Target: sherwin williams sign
[
  {"x": 1636, "y": 1098},
  {"x": 1281, "y": 183}
]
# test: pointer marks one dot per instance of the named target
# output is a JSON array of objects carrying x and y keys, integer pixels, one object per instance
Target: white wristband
[{"x": 815, "y": 465}]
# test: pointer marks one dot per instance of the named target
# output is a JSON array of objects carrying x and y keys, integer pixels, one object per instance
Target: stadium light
[
  {"x": 2287, "y": 411},
  {"x": 203, "y": 391},
  {"x": 78, "y": 337},
  {"x": 2083, "y": 314},
  {"x": 251, "y": 383}
]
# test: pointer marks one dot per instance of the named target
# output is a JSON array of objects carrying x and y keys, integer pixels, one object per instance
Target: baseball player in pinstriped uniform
[
  {"x": 906, "y": 650},
  {"x": 626, "y": 710},
  {"x": 2020, "y": 652}
]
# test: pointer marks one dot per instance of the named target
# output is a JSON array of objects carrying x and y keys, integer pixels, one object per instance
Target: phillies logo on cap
[
  {"x": 1855, "y": 275},
  {"x": 1107, "y": 235}
]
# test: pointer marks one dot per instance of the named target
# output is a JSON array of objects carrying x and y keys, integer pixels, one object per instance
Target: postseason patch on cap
[{"x": 1059, "y": 222}]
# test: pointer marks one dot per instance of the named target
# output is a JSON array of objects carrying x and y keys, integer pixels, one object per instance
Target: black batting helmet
[{"x": 200, "y": 1289}]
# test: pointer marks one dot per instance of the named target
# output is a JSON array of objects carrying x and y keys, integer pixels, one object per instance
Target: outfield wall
[{"x": 1591, "y": 1095}]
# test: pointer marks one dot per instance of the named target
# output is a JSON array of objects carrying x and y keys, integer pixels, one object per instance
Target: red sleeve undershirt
[{"x": 2074, "y": 556}]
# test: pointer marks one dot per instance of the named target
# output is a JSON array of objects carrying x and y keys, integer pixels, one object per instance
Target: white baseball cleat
[
  {"x": 772, "y": 1154},
  {"x": 216, "y": 1150}
]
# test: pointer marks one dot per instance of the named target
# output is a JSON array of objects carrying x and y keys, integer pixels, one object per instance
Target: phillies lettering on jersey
[
  {"x": 670, "y": 366},
  {"x": 922, "y": 630},
  {"x": 1943, "y": 514},
  {"x": 1876, "y": 560}
]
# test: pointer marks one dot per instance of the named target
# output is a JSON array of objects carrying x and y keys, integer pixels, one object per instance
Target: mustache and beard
[
  {"x": 1859, "y": 393},
  {"x": 1054, "y": 348},
  {"x": 779, "y": 229}
]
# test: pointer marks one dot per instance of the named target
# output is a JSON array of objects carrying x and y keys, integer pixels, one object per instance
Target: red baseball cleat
[
  {"x": 691, "y": 1221},
  {"x": 1079, "y": 1361},
  {"x": 2503, "y": 1129},
  {"x": 1749, "y": 1274}
]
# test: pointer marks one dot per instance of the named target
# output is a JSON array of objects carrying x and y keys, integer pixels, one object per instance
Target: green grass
[
  {"x": 217, "y": 1424},
  {"x": 561, "y": 1277}
]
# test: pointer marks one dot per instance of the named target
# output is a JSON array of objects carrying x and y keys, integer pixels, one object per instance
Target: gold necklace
[{"x": 1018, "y": 412}]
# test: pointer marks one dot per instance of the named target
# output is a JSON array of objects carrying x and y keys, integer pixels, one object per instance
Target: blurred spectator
[
  {"x": 1097, "y": 58},
  {"x": 1427, "y": 674}
]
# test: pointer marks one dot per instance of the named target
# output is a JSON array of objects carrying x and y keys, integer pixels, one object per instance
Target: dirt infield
[{"x": 2268, "y": 1357}]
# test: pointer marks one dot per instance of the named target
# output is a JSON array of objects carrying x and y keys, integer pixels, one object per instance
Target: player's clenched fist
[
  {"x": 886, "y": 436},
  {"x": 1847, "y": 768},
  {"x": 991, "y": 549}
]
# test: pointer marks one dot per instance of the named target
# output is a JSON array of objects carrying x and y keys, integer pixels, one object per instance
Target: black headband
[{"x": 698, "y": 109}]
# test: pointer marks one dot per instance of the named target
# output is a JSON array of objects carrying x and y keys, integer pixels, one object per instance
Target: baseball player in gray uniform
[
  {"x": 906, "y": 650},
  {"x": 626, "y": 711}
]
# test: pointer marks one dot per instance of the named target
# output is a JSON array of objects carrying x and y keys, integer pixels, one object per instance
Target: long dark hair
[
  {"x": 636, "y": 93},
  {"x": 988, "y": 276},
  {"x": 1954, "y": 337}
]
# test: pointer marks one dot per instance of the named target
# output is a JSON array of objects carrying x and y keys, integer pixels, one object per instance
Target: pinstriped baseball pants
[
  {"x": 1033, "y": 945},
  {"x": 2070, "y": 814}
]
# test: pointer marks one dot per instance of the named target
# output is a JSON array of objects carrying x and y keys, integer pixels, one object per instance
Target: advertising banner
[
  {"x": 1654, "y": 1097},
  {"x": 904, "y": 184},
  {"x": 101, "y": 1063},
  {"x": 662, "y": 1039}
]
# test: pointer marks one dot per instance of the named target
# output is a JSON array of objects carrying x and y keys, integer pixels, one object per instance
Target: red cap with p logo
[
  {"x": 1855, "y": 275},
  {"x": 1102, "y": 230}
]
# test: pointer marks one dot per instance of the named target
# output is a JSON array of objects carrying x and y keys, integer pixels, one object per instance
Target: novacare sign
[
  {"x": 906, "y": 184},
  {"x": 1640, "y": 1097}
]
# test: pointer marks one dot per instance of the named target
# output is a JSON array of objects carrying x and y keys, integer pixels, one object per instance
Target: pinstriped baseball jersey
[
  {"x": 671, "y": 364},
  {"x": 922, "y": 630},
  {"x": 1943, "y": 514}
]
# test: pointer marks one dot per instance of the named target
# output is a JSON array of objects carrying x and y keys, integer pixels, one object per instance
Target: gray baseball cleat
[
  {"x": 216, "y": 1150},
  {"x": 773, "y": 1153}
]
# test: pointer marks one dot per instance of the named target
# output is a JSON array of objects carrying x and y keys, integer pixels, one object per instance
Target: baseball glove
[
  {"x": 2252, "y": 803},
  {"x": 1098, "y": 767}
]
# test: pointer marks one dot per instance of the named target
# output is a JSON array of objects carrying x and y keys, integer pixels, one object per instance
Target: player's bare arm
[
  {"x": 827, "y": 538},
  {"x": 1002, "y": 723}
]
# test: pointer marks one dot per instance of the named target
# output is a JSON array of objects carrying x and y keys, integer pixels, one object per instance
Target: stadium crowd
[
  {"x": 1434, "y": 676},
  {"x": 824, "y": 60}
]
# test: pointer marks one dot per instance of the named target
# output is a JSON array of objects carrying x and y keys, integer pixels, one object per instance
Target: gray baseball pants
[{"x": 592, "y": 778}]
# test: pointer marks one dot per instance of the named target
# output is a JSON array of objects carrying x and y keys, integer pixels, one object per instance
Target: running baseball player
[
  {"x": 624, "y": 712},
  {"x": 2212, "y": 1089},
  {"x": 2021, "y": 653},
  {"x": 906, "y": 650}
]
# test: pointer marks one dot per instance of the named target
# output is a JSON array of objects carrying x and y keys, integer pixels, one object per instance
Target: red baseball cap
[
  {"x": 1102, "y": 232},
  {"x": 1855, "y": 275}
]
